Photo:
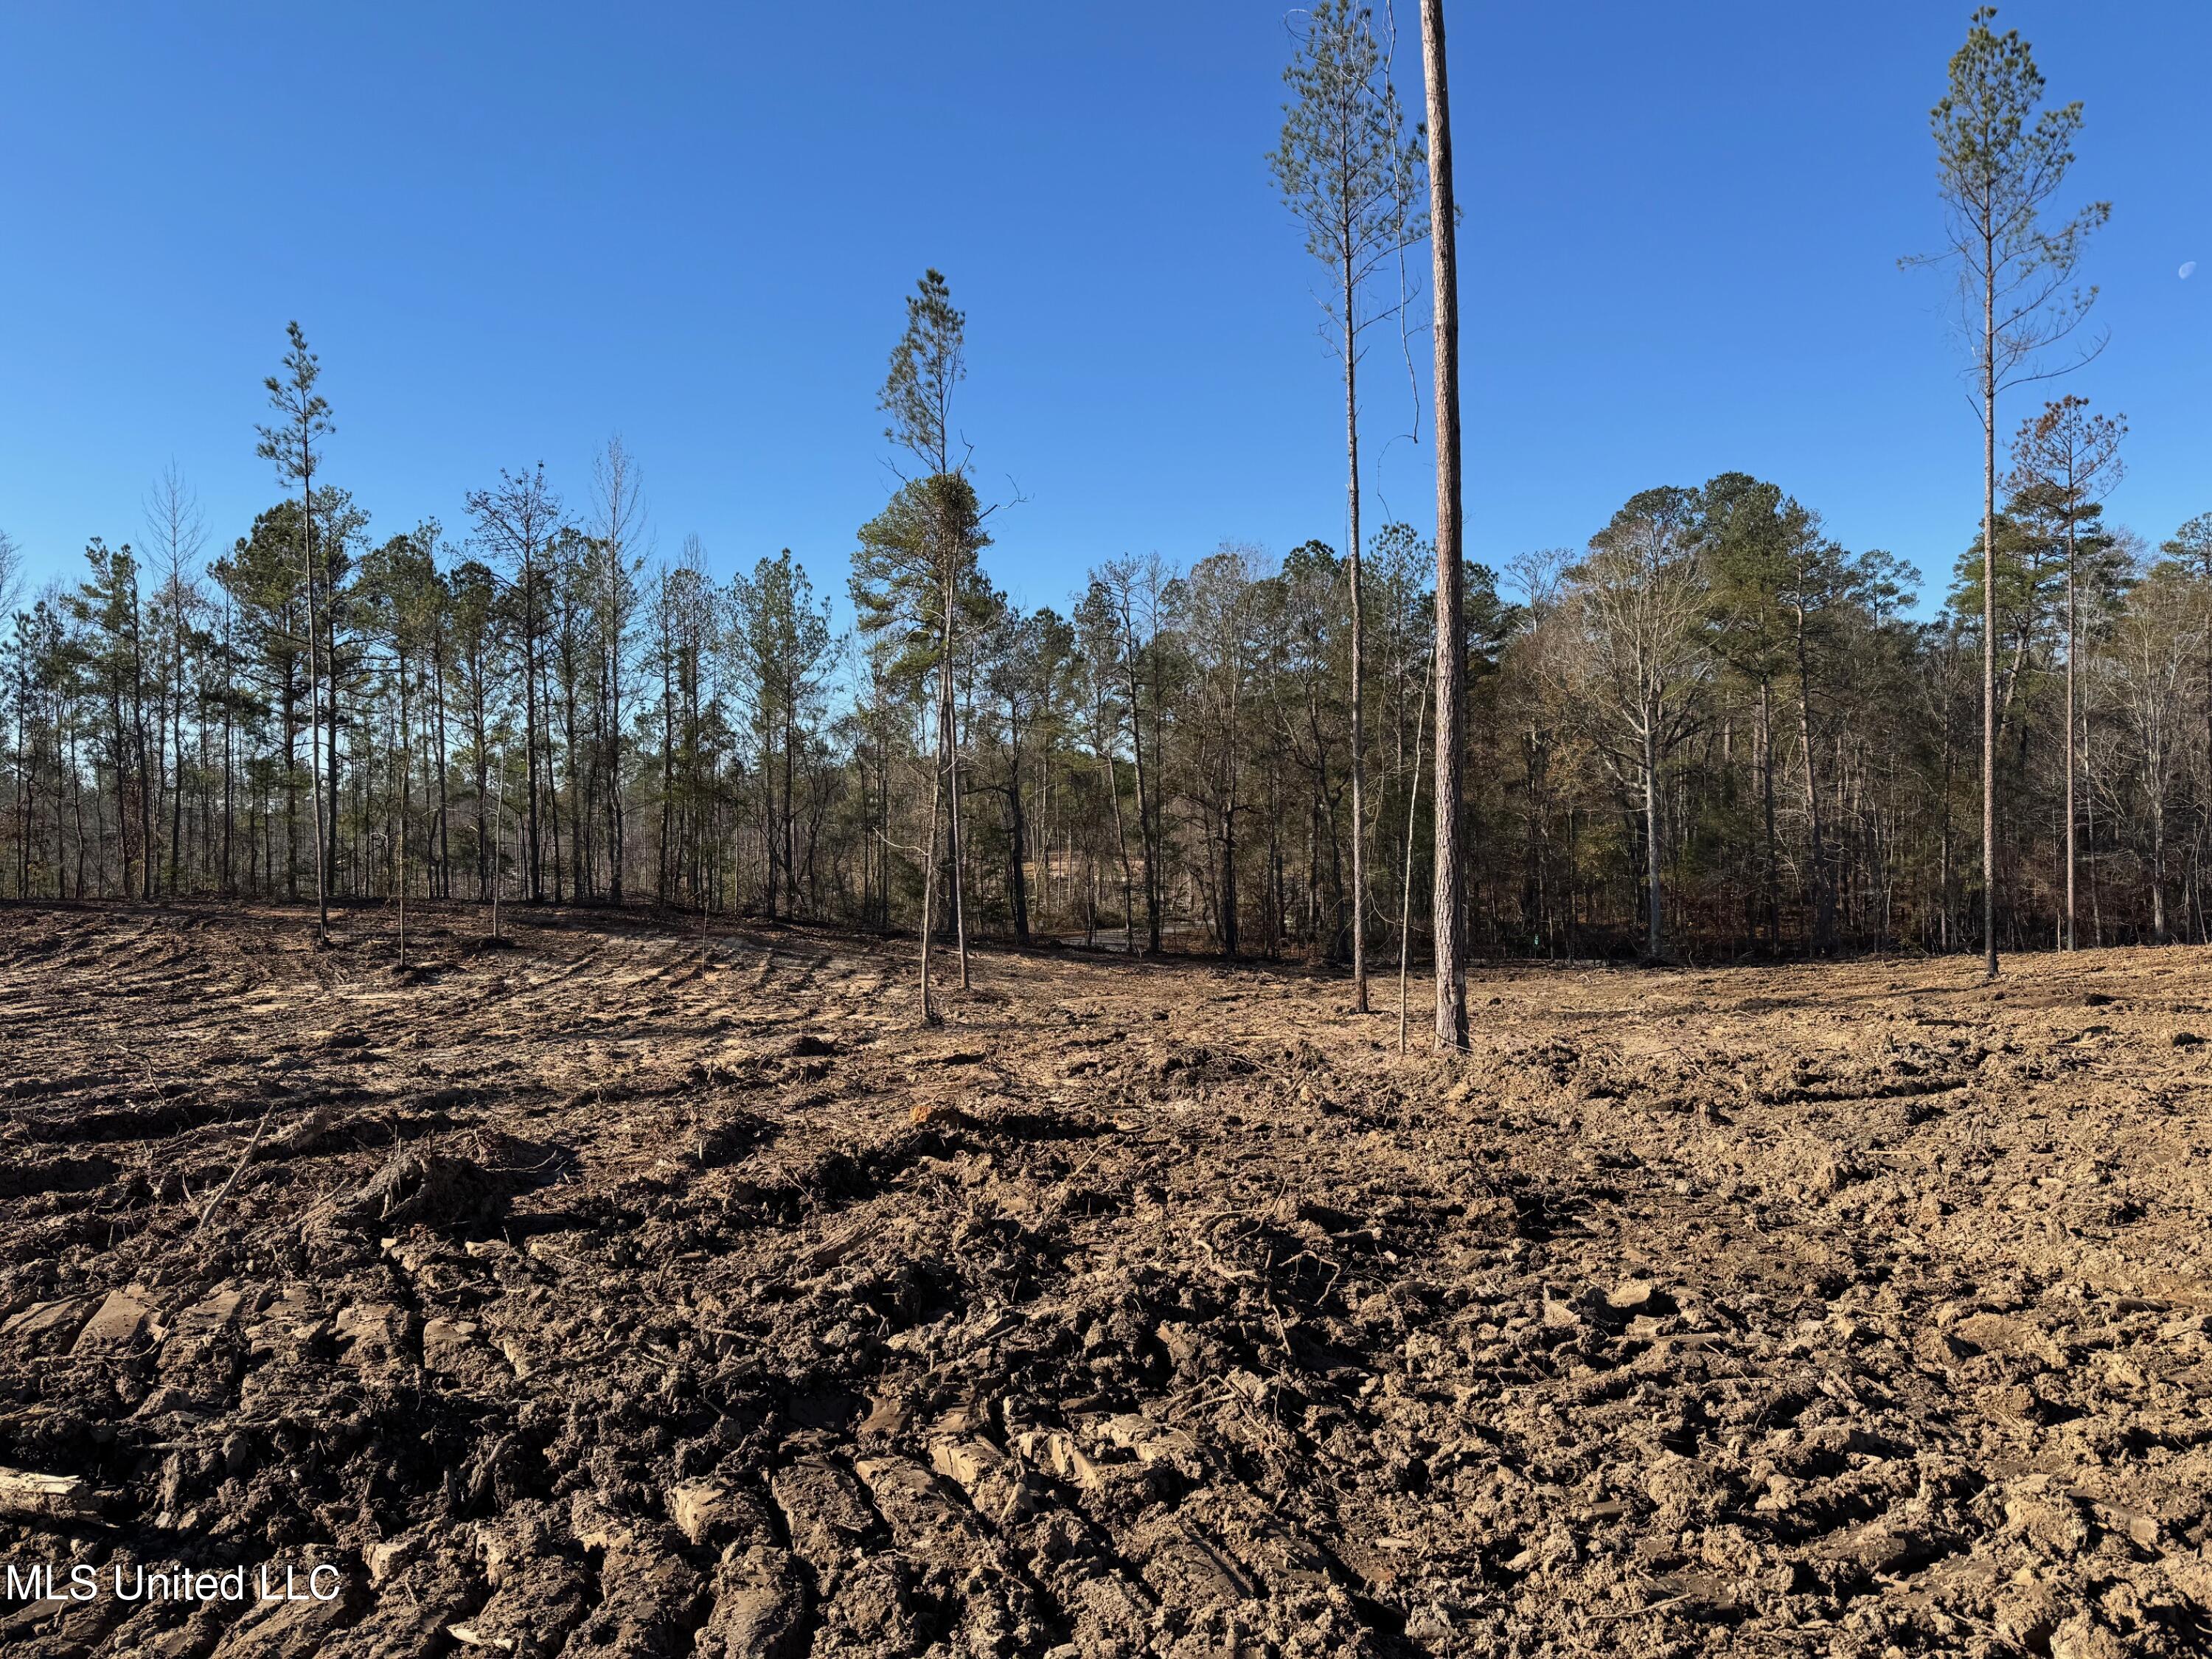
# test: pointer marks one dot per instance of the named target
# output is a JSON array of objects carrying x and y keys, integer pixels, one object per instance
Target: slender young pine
[
  {"x": 2065, "y": 462},
  {"x": 303, "y": 417},
  {"x": 1999, "y": 161},
  {"x": 1352, "y": 173},
  {"x": 916, "y": 565}
]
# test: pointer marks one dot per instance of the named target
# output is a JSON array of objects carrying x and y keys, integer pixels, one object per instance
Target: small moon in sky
[{"x": 2188, "y": 271}]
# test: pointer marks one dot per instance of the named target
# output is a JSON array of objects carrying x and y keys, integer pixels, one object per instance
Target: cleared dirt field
[{"x": 621, "y": 1294}]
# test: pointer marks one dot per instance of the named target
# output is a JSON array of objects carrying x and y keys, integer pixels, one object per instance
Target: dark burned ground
[{"x": 612, "y": 1295}]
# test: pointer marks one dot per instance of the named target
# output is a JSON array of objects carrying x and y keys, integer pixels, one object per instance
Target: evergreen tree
[
  {"x": 1349, "y": 170},
  {"x": 302, "y": 420},
  {"x": 2000, "y": 160}
]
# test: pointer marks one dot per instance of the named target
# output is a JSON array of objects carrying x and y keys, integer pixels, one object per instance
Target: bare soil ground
[{"x": 615, "y": 1293}]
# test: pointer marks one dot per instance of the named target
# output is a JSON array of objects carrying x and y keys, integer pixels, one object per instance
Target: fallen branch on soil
[
  {"x": 244, "y": 1159},
  {"x": 31, "y": 1496},
  {"x": 1632, "y": 1612},
  {"x": 1234, "y": 1275}
]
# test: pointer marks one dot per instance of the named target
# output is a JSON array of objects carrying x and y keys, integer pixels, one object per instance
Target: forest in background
[
  {"x": 1710, "y": 730},
  {"x": 1167, "y": 753}
]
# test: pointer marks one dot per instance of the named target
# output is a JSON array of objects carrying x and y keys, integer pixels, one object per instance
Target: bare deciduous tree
[
  {"x": 1639, "y": 600},
  {"x": 176, "y": 537},
  {"x": 2154, "y": 647}
]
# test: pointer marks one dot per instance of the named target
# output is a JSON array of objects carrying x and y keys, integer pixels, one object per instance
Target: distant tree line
[{"x": 1712, "y": 729}]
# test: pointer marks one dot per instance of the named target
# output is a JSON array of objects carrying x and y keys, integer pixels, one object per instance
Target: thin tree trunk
[
  {"x": 1405, "y": 886},
  {"x": 1766, "y": 768},
  {"x": 1017, "y": 833},
  {"x": 1652, "y": 928},
  {"x": 229, "y": 805},
  {"x": 2158, "y": 859},
  {"x": 498, "y": 811},
  {"x": 950, "y": 740},
  {"x": 1451, "y": 983},
  {"x": 2070, "y": 647},
  {"x": 1824, "y": 895},
  {"x": 1359, "y": 654},
  {"x": 1989, "y": 610},
  {"x": 929, "y": 880},
  {"x": 330, "y": 779},
  {"x": 795, "y": 882},
  {"x": 1144, "y": 814},
  {"x": 530, "y": 886},
  {"x": 177, "y": 740},
  {"x": 404, "y": 781},
  {"x": 445, "y": 851},
  {"x": 1121, "y": 840},
  {"x": 315, "y": 705}
]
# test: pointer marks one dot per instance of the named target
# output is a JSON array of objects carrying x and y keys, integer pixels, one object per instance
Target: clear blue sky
[{"x": 511, "y": 230}]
